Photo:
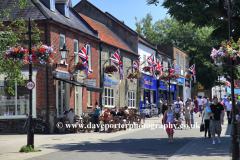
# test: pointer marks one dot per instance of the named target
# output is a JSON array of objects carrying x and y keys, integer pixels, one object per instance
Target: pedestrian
[
  {"x": 164, "y": 107},
  {"x": 200, "y": 100},
  {"x": 205, "y": 100},
  {"x": 206, "y": 118},
  {"x": 159, "y": 104},
  {"x": 215, "y": 119},
  {"x": 196, "y": 103},
  {"x": 228, "y": 106},
  {"x": 189, "y": 107},
  {"x": 222, "y": 103},
  {"x": 181, "y": 99},
  {"x": 96, "y": 116},
  {"x": 169, "y": 122},
  {"x": 178, "y": 110},
  {"x": 225, "y": 98}
]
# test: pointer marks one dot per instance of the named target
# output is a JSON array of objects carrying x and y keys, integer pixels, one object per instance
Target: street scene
[{"x": 150, "y": 79}]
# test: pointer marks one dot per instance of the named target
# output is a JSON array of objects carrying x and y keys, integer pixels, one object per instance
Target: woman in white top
[{"x": 169, "y": 122}]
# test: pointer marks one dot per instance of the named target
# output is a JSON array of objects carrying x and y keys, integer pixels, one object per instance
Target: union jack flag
[
  {"x": 136, "y": 65},
  {"x": 172, "y": 69},
  {"x": 150, "y": 60},
  {"x": 228, "y": 84},
  {"x": 214, "y": 51},
  {"x": 160, "y": 66},
  {"x": 117, "y": 61},
  {"x": 193, "y": 72},
  {"x": 83, "y": 54}
]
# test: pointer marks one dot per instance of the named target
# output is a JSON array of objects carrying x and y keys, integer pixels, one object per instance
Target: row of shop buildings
[{"x": 57, "y": 89}]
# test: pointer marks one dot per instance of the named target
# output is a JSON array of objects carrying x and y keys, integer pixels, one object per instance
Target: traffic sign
[{"x": 30, "y": 85}]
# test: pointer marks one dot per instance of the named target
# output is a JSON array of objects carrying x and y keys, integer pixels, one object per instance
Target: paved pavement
[{"x": 131, "y": 144}]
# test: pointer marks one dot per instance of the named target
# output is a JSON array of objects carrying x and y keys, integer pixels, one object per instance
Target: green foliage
[
  {"x": 27, "y": 149},
  {"x": 196, "y": 41},
  {"x": 11, "y": 36}
]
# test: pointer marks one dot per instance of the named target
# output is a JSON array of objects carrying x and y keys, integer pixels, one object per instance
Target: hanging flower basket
[
  {"x": 228, "y": 53},
  {"x": 80, "y": 66},
  {"x": 147, "y": 69},
  {"x": 174, "y": 76},
  {"x": 157, "y": 72},
  {"x": 110, "y": 69},
  {"x": 17, "y": 54},
  {"x": 189, "y": 76},
  {"x": 133, "y": 75},
  {"x": 164, "y": 77},
  {"x": 42, "y": 53}
]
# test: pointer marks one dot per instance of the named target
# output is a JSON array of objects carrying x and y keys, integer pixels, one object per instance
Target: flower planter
[{"x": 110, "y": 69}]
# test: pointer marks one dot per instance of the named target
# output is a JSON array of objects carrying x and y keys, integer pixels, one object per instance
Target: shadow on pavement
[{"x": 144, "y": 147}]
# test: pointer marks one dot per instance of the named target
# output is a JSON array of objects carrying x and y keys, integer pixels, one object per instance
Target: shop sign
[
  {"x": 181, "y": 80},
  {"x": 236, "y": 91},
  {"x": 178, "y": 69},
  {"x": 163, "y": 86},
  {"x": 63, "y": 75},
  {"x": 90, "y": 82},
  {"x": 187, "y": 83},
  {"x": 149, "y": 83},
  {"x": 109, "y": 82}
]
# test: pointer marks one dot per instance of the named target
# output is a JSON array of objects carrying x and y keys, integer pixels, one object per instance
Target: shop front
[
  {"x": 187, "y": 90},
  {"x": 148, "y": 93},
  {"x": 163, "y": 91},
  {"x": 180, "y": 88}
]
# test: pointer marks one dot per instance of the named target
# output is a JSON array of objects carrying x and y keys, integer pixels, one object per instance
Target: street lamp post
[
  {"x": 235, "y": 147},
  {"x": 169, "y": 67}
]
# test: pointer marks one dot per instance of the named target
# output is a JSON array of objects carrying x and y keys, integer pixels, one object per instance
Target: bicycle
[{"x": 40, "y": 125}]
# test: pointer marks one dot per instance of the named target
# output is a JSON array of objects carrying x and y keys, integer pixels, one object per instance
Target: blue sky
[{"x": 127, "y": 10}]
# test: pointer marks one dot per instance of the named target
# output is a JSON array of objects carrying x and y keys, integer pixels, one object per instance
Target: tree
[
  {"x": 211, "y": 13},
  {"x": 10, "y": 36},
  {"x": 196, "y": 41}
]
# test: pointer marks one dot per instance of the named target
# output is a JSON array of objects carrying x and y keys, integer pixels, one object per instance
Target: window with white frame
[
  {"x": 89, "y": 56},
  {"x": 181, "y": 65},
  {"x": 76, "y": 50},
  {"x": 131, "y": 99},
  {"x": 109, "y": 97},
  {"x": 62, "y": 41},
  {"x": 66, "y": 11},
  {"x": 177, "y": 59},
  {"x": 144, "y": 60},
  {"x": 13, "y": 105},
  {"x": 186, "y": 65},
  {"x": 89, "y": 99},
  {"x": 52, "y": 5}
]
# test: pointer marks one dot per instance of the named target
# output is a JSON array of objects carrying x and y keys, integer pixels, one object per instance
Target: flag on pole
[
  {"x": 136, "y": 65},
  {"x": 160, "y": 66},
  {"x": 83, "y": 54},
  {"x": 193, "y": 72},
  {"x": 117, "y": 61},
  {"x": 228, "y": 84}
]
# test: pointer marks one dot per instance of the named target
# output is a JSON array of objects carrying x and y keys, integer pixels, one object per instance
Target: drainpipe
[
  {"x": 47, "y": 93},
  {"x": 100, "y": 73}
]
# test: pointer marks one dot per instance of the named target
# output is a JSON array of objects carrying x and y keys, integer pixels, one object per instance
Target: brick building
[{"x": 61, "y": 25}]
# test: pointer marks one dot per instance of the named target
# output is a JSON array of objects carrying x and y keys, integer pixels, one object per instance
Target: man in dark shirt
[{"x": 216, "y": 119}]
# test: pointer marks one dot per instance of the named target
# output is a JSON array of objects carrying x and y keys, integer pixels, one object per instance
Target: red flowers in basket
[
  {"x": 189, "y": 76},
  {"x": 110, "y": 69},
  {"x": 146, "y": 69},
  {"x": 176, "y": 76},
  {"x": 157, "y": 72},
  {"x": 80, "y": 66},
  {"x": 133, "y": 75}
]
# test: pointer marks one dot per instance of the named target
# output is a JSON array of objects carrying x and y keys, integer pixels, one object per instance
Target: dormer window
[
  {"x": 52, "y": 5},
  {"x": 66, "y": 10}
]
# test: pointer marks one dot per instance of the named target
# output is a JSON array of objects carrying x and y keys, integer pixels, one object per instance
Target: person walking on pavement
[
  {"x": 206, "y": 118},
  {"x": 96, "y": 116},
  {"x": 189, "y": 107},
  {"x": 225, "y": 99},
  {"x": 222, "y": 103},
  {"x": 196, "y": 103},
  {"x": 169, "y": 122},
  {"x": 228, "y": 106},
  {"x": 159, "y": 104},
  {"x": 163, "y": 108},
  {"x": 215, "y": 119},
  {"x": 200, "y": 100},
  {"x": 178, "y": 110}
]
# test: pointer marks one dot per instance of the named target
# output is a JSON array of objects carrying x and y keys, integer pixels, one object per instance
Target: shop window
[
  {"x": 131, "y": 99},
  {"x": 109, "y": 97},
  {"x": 13, "y": 105},
  {"x": 76, "y": 50},
  {"x": 89, "y": 99}
]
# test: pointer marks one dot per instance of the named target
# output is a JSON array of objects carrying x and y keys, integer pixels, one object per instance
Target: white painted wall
[{"x": 144, "y": 50}]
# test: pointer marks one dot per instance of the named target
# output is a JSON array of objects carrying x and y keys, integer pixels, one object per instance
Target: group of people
[{"x": 212, "y": 114}]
